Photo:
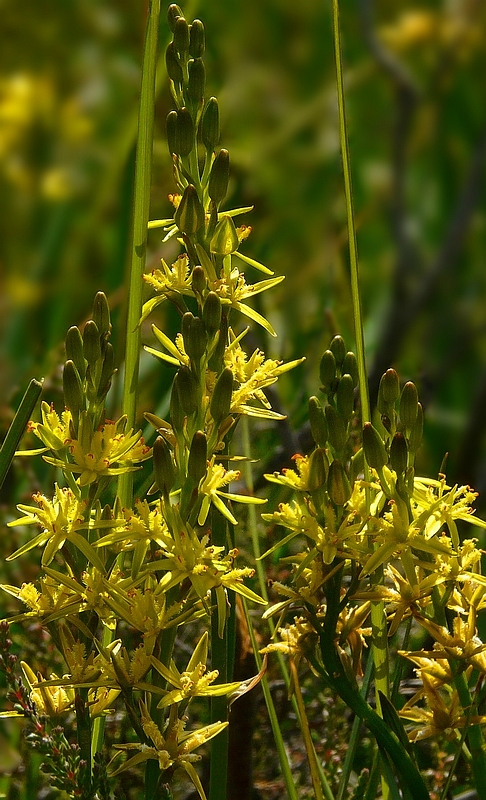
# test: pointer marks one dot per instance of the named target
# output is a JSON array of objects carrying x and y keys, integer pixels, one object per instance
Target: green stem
[
  {"x": 474, "y": 734},
  {"x": 141, "y": 202},
  {"x": 17, "y": 427}
]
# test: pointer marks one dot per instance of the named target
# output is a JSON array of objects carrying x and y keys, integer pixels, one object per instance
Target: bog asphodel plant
[{"x": 165, "y": 561}]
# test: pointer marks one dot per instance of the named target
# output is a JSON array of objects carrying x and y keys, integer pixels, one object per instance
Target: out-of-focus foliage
[{"x": 69, "y": 82}]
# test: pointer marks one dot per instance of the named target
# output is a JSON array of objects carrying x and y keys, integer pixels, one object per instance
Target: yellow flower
[
  {"x": 50, "y": 701},
  {"x": 215, "y": 479}
]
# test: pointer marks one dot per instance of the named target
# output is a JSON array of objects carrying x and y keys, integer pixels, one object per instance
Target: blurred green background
[{"x": 415, "y": 81}]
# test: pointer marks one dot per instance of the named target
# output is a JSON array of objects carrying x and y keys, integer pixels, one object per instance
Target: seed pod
[
  {"x": 345, "y": 397},
  {"x": 338, "y": 486},
  {"x": 185, "y": 132},
  {"x": 194, "y": 335},
  {"x": 327, "y": 369},
  {"x": 91, "y": 342},
  {"x": 210, "y": 125},
  {"x": 197, "y": 42},
  {"x": 338, "y": 347},
  {"x": 416, "y": 432},
  {"x": 350, "y": 367},
  {"x": 221, "y": 399},
  {"x": 212, "y": 313},
  {"x": 215, "y": 363},
  {"x": 225, "y": 239},
  {"x": 74, "y": 350},
  {"x": 101, "y": 313},
  {"x": 197, "y": 80},
  {"x": 337, "y": 429},
  {"x": 198, "y": 280},
  {"x": 198, "y": 457},
  {"x": 174, "y": 69},
  {"x": 171, "y": 130},
  {"x": 72, "y": 387},
  {"x": 173, "y": 13},
  {"x": 374, "y": 448},
  {"x": 318, "y": 468},
  {"x": 187, "y": 389},
  {"x": 181, "y": 35},
  {"x": 189, "y": 216},
  {"x": 389, "y": 391},
  {"x": 219, "y": 177},
  {"x": 399, "y": 453},
  {"x": 318, "y": 422},
  {"x": 164, "y": 470},
  {"x": 408, "y": 405}
]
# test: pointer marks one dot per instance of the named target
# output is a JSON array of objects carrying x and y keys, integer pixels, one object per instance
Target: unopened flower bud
[
  {"x": 338, "y": 486},
  {"x": 187, "y": 390},
  {"x": 101, "y": 313},
  {"x": 416, "y": 432},
  {"x": 74, "y": 349},
  {"x": 222, "y": 393},
  {"x": 399, "y": 453},
  {"x": 198, "y": 280},
  {"x": 225, "y": 239},
  {"x": 210, "y": 125},
  {"x": 337, "y": 429},
  {"x": 91, "y": 342},
  {"x": 174, "y": 69},
  {"x": 164, "y": 470},
  {"x": 173, "y": 13},
  {"x": 318, "y": 422},
  {"x": 374, "y": 447},
  {"x": 198, "y": 456},
  {"x": 194, "y": 335},
  {"x": 176, "y": 410},
  {"x": 338, "y": 347},
  {"x": 107, "y": 370},
  {"x": 181, "y": 35},
  {"x": 185, "y": 132},
  {"x": 408, "y": 405},
  {"x": 189, "y": 216},
  {"x": 389, "y": 391},
  {"x": 212, "y": 313},
  {"x": 196, "y": 39},
  {"x": 327, "y": 369},
  {"x": 197, "y": 80},
  {"x": 219, "y": 177},
  {"x": 72, "y": 386},
  {"x": 172, "y": 132},
  {"x": 318, "y": 468},
  {"x": 345, "y": 397},
  {"x": 350, "y": 367}
]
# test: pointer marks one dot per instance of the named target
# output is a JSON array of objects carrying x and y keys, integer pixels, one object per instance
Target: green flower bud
[
  {"x": 164, "y": 470},
  {"x": 85, "y": 431},
  {"x": 337, "y": 429},
  {"x": 198, "y": 280},
  {"x": 176, "y": 409},
  {"x": 338, "y": 486},
  {"x": 101, "y": 313},
  {"x": 225, "y": 239},
  {"x": 91, "y": 342},
  {"x": 187, "y": 389},
  {"x": 345, "y": 397},
  {"x": 327, "y": 369},
  {"x": 374, "y": 448},
  {"x": 215, "y": 363},
  {"x": 408, "y": 408},
  {"x": 197, "y": 80},
  {"x": 189, "y": 216},
  {"x": 75, "y": 351},
  {"x": 194, "y": 335},
  {"x": 210, "y": 125},
  {"x": 357, "y": 465},
  {"x": 171, "y": 130},
  {"x": 181, "y": 35},
  {"x": 219, "y": 177},
  {"x": 389, "y": 391},
  {"x": 338, "y": 348},
  {"x": 173, "y": 13},
  {"x": 185, "y": 132},
  {"x": 318, "y": 468},
  {"x": 72, "y": 387},
  {"x": 399, "y": 453},
  {"x": 416, "y": 432},
  {"x": 198, "y": 457},
  {"x": 222, "y": 393},
  {"x": 174, "y": 69},
  {"x": 196, "y": 39},
  {"x": 350, "y": 367},
  {"x": 107, "y": 370},
  {"x": 212, "y": 313},
  {"x": 318, "y": 422}
]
